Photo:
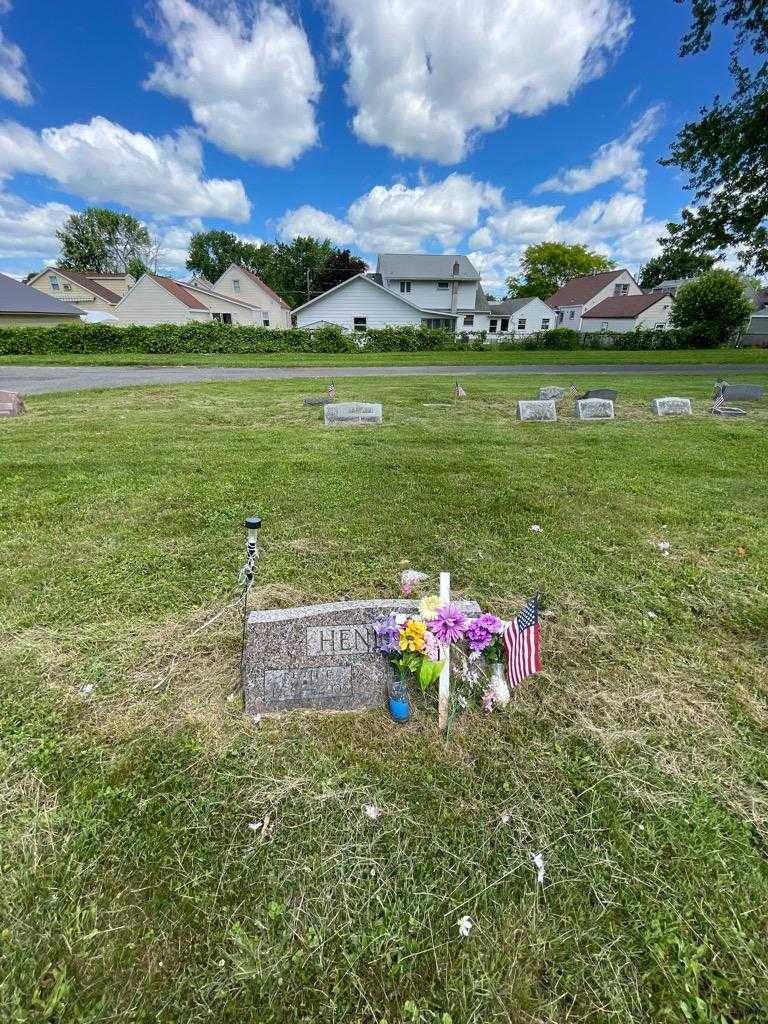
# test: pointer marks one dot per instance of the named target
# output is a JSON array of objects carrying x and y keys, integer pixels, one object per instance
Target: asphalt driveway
[{"x": 38, "y": 380}]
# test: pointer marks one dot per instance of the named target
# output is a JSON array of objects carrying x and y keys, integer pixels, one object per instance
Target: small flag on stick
[
  {"x": 573, "y": 390},
  {"x": 459, "y": 390},
  {"x": 521, "y": 643},
  {"x": 719, "y": 402},
  {"x": 332, "y": 391}
]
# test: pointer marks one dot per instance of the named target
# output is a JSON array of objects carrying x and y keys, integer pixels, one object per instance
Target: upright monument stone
[
  {"x": 536, "y": 411},
  {"x": 10, "y": 404},
  {"x": 671, "y": 406},
  {"x": 594, "y": 409},
  {"x": 354, "y": 413}
]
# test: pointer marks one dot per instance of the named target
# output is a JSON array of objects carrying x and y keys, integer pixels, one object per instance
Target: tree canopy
[
  {"x": 296, "y": 270},
  {"x": 714, "y": 306},
  {"x": 672, "y": 265},
  {"x": 105, "y": 242},
  {"x": 547, "y": 266},
  {"x": 725, "y": 152}
]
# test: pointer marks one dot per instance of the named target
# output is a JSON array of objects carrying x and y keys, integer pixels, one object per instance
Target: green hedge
[{"x": 170, "y": 339}]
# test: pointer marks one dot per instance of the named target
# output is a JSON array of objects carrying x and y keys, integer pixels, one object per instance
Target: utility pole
[{"x": 308, "y": 295}]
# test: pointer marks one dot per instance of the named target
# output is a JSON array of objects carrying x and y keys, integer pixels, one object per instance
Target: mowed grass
[
  {"x": 132, "y": 889},
  {"x": 717, "y": 356}
]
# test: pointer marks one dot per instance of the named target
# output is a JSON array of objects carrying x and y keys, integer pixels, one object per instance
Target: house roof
[
  {"x": 16, "y": 297},
  {"x": 86, "y": 281},
  {"x": 510, "y": 306},
  {"x": 257, "y": 280},
  {"x": 425, "y": 267},
  {"x": 581, "y": 289},
  {"x": 482, "y": 305},
  {"x": 178, "y": 291},
  {"x": 624, "y": 307}
]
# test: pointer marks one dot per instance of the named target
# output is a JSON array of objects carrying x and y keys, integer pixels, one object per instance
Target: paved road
[{"x": 38, "y": 380}]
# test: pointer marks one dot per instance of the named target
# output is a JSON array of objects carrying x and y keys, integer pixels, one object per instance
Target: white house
[
  {"x": 243, "y": 284},
  {"x": 90, "y": 291},
  {"x": 648, "y": 311},
  {"x": 161, "y": 300},
  {"x": 520, "y": 317},
  {"x": 581, "y": 294},
  {"x": 412, "y": 289}
]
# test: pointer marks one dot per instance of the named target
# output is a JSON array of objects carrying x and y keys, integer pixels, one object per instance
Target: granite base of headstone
[
  {"x": 533, "y": 411},
  {"x": 343, "y": 414},
  {"x": 594, "y": 409},
  {"x": 670, "y": 406},
  {"x": 320, "y": 657},
  {"x": 11, "y": 404},
  {"x": 551, "y": 393},
  {"x": 318, "y": 401},
  {"x": 730, "y": 410}
]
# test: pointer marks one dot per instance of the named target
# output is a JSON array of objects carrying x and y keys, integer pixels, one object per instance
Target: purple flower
[
  {"x": 388, "y": 633},
  {"x": 449, "y": 624},
  {"x": 490, "y": 623},
  {"x": 478, "y": 637},
  {"x": 431, "y": 646}
]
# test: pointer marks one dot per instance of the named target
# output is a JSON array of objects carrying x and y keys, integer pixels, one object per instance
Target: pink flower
[
  {"x": 488, "y": 700},
  {"x": 431, "y": 646}
]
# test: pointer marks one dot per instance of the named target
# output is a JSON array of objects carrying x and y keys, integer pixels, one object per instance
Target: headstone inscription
[
  {"x": 10, "y": 404},
  {"x": 671, "y": 406},
  {"x": 536, "y": 411},
  {"x": 547, "y": 393},
  {"x": 354, "y": 413},
  {"x": 594, "y": 409},
  {"x": 321, "y": 657}
]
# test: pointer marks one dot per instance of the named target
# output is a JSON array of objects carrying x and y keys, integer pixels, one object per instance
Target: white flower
[
  {"x": 505, "y": 818},
  {"x": 465, "y": 925},
  {"x": 372, "y": 811},
  {"x": 652, "y": 615},
  {"x": 663, "y": 546},
  {"x": 256, "y": 719},
  {"x": 255, "y": 826},
  {"x": 87, "y": 689},
  {"x": 538, "y": 863},
  {"x": 536, "y": 528}
]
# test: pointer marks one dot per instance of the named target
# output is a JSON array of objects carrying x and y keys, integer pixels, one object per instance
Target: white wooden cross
[{"x": 445, "y": 655}]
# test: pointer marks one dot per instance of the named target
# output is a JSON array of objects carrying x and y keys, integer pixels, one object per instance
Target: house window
[
  {"x": 572, "y": 314},
  {"x": 521, "y": 324},
  {"x": 216, "y": 317},
  {"x": 361, "y": 322},
  {"x": 659, "y": 327},
  {"x": 405, "y": 287},
  {"x": 443, "y": 286},
  {"x": 236, "y": 285},
  {"x": 620, "y": 289},
  {"x": 559, "y": 316},
  {"x": 469, "y": 319},
  {"x": 545, "y": 324},
  {"x": 54, "y": 282},
  {"x": 226, "y": 318},
  {"x": 504, "y": 324},
  {"x": 438, "y": 323},
  {"x": 67, "y": 287},
  {"x": 265, "y": 321},
  {"x": 494, "y": 325},
  {"x": 604, "y": 325}
]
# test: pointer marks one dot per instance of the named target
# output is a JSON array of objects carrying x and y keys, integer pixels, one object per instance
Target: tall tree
[
  {"x": 547, "y": 266},
  {"x": 672, "y": 265},
  {"x": 714, "y": 305},
  {"x": 105, "y": 242},
  {"x": 725, "y": 152},
  {"x": 340, "y": 267},
  {"x": 211, "y": 252}
]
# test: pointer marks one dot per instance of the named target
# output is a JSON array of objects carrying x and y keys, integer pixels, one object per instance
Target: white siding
[
  {"x": 427, "y": 295},
  {"x": 221, "y": 304},
  {"x": 610, "y": 289},
  {"x": 658, "y": 313},
  {"x": 149, "y": 303},
  {"x": 359, "y": 298},
  {"x": 533, "y": 312},
  {"x": 68, "y": 291},
  {"x": 250, "y": 291}
]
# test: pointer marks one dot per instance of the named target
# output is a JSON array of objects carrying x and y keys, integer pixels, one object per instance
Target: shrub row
[{"x": 169, "y": 339}]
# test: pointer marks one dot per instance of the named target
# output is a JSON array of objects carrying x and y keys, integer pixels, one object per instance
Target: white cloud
[
  {"x": 102, "y": 162},
  {"x": 425, "y": 77},
  {"x": 29, "y": 232},
  {"x": 14, "y": 84},
  {"x": 250, "y": 81},
  {"x": 399, "y": 217},
  {"x": 620, "y": 159}
]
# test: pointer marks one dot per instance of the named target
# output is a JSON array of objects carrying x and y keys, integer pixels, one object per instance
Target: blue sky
[{"x": 477, "y": 126}]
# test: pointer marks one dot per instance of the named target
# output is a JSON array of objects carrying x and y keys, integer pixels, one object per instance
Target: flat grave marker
[
  {"x": 670, "y": 406},
  {"x": 533, "y": 411},
  {"x": 594, "y": 409},
  {"x": 353, "y": 414},
  {"x": 551, "y": 393}
]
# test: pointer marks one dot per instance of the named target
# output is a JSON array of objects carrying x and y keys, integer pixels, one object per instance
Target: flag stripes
[{"x": 521, "y": 644}]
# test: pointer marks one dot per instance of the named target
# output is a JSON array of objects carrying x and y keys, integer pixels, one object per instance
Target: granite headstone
[
  {"x": 11, "y": 404},
  {"x": 318, "y": 401},
  {"x": 553, "y": 393},
  {"x": 320, "y": 657},
  {"x": 536, "y": 411},
  {"x": 353, "y": 413},
  {"x": 594, "y": 409},
  {"x": 743, "y": 392},
  {"x": 671, "y": 406}
]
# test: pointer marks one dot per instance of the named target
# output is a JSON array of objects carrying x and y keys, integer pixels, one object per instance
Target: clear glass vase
[{"x": 499, "y": 685}]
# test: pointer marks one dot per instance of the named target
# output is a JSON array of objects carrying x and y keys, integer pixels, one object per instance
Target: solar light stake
[{"x": 252, "y": 526}]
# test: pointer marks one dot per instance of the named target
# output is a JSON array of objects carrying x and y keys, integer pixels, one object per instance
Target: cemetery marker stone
[
  {"x": 318, "y": 401},
  {"x": 671, "y": 406},
  {"x": 538, "y": 411},
  {"x": 547, "y": 393},
  {"x": 594, "y": 409},
  {"x": 354, "y": 413},
  {"x": 10, "y": 404}
]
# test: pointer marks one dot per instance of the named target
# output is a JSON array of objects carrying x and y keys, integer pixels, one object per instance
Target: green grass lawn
[
  {"x": 132, "y": 889},
  {"x": 718, "y": 355}
]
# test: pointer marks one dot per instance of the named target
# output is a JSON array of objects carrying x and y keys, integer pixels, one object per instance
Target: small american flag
[
  {"x": 719, "y": 402},
  {"x": 573, "y": 390},
  {"x": 332, "y": 391},
  {"x": 521, "y": 643},
  {"x": 460, "y": 392}
]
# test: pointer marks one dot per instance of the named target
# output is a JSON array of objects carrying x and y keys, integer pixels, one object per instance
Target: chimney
[{"x": 455, "y": 288}]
